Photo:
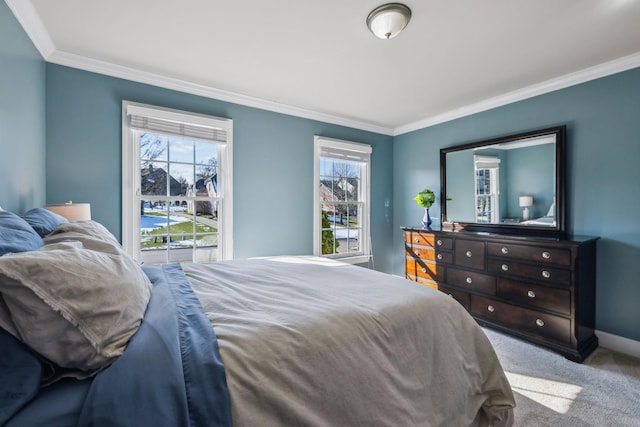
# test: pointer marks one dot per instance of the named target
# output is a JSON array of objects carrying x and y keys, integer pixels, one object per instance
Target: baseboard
[{"x": 618, "y": 343}]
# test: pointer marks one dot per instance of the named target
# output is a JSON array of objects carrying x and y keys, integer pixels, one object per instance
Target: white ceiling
[{"x": 318, "y": 59}]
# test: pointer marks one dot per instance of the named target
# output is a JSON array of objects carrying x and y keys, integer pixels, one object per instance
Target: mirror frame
[{"x": 560, "y": 190}]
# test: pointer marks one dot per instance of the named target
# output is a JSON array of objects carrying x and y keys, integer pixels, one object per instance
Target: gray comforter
[{"x": 311, "y": 342}]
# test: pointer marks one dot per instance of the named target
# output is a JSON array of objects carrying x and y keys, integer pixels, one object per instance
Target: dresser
[{"x": 539, "y": 289}]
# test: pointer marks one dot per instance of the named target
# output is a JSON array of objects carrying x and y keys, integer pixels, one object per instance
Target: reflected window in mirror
[{"x": 483, "y": 183}]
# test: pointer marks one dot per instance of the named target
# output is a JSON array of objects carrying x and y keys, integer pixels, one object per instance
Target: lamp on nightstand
[
  {"x": 72, "y": 211},
  {"x": 525, "y": 202}
]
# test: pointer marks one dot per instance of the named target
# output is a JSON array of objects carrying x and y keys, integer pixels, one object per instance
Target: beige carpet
[{"x": 553, "y": 391}]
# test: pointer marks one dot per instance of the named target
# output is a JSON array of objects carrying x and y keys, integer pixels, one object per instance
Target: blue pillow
[
  {"x": 43, "y": 221},
  {"x": 16, "y": 235}
]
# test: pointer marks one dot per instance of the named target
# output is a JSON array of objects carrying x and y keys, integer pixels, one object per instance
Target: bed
[{"x": 281, "y": 341}]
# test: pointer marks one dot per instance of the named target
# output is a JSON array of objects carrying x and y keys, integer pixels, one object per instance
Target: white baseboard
[{"x": 619, "y": 344}]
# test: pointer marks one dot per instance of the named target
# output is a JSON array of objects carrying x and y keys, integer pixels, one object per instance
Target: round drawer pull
[
  {"x": 539, "y": 322},
  {"x": 439, "y": 242},
  {"x": 546, "y": 274},
  {"x": 417, "y": 240},
  {"x": 468, "y": 254},
  {"x": 491, "y": 308},
  {"x": 439, "y": 256},
  {"x": 469, "y": 280},
  {"x": 531, "y": 294},
  {"x": 505, "y": 267},
  {"x": 546, "y": 255},
  {"x": 504, "y": 250},
  {"x": 417, "y": 253},
  {"x": 424, "y": 270}
]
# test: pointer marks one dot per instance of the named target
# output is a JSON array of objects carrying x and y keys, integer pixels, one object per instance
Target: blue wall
[
  {"x": 273, "y": 155},
  {"x": 603, "y": 178},
  {"x": 22, "y": 118},
  {"x": 273, "y": 161}
]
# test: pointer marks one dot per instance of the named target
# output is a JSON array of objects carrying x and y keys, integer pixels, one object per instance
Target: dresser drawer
[
  {"x": 553, "y": 299},
  {"x": 444, "y": 257},
  {"x": 421, "y": 252},
  {"x": 461, "y": 297},
  {"x": 426, "y": 270},
  {"x": 470, "y": 254},
  {"x": 522, "y": 319},
  {"x": 532, "y": 272},
  {"x": 478, "y": 282},
  {"x": 530, "y": 253},
  {"x": 428, "y": 239}
]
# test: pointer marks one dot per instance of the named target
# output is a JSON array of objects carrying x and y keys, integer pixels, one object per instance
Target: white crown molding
[
  {"x": 602, "y": 70},
  {"x": 30, "y": 21},
  {"x": 113, "y": 70}
]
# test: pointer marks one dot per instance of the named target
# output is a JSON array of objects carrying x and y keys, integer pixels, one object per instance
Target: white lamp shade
[
  {"x": 72, "y": 211},
  {"x": 526, "y": 201},
  {"x": 388, "y": 20}
]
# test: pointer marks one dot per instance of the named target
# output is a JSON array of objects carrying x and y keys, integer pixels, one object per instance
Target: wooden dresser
[{"x": 536, "y": 288}]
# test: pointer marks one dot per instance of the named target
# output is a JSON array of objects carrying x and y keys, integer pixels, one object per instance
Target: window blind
[
  {"x": 345, "y": 151},
  {"x": 172, "y": 123}
]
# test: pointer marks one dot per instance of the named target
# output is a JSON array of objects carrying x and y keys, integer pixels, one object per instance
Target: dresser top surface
[{"x": 567, "y": 238}]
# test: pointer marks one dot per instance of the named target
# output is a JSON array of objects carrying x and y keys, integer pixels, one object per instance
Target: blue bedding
[{"x": 170, "y": 374}]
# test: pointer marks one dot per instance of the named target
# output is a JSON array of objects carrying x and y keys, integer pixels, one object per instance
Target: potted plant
[{"x": 425, "y": 199}]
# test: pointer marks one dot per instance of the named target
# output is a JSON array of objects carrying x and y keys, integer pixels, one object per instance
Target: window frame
[
  {"x": 131, "y": 185},
  {"x": 362, "y": 151}
]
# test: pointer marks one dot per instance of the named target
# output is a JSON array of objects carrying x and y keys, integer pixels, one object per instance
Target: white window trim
[
  {"x": 131, "y": 174},
  {"x": 359, "y": 150}
]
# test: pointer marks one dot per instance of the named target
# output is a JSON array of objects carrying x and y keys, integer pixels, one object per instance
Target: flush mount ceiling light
[{"x": 388, "y": 20}]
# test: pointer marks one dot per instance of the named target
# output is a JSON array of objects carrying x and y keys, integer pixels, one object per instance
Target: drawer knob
[
  {"x": 546, "y": 274},
  {"x": 491, "y": 308},
  {"x": 439, "y": 256},
  {"x": 417, "y": 253},
  {"x": 505, "y": 267},
  {"x": 539, "y": 322},
  {"x": 417, "y": 240},
  {"x": 439, "y": 242},
  {"x": 504, "y": 250},
  {"x": 531, "y": 294},
  {"x": 469, "y": 280},
  {"x": 546, "y": 255},
  {"x": 468, "y": 254},
  {"x": 424, "y": 270}
]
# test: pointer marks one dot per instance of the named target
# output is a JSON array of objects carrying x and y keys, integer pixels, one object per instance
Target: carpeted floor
[{"x": 553, "y": 391}]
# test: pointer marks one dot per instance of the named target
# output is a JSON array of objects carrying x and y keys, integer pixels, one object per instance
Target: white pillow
[{"x": 552, "y": 210}]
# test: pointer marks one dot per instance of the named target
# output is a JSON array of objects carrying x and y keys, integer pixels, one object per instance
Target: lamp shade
[
  {"x": 388, "y": 20},
  {"x": 526, "y": 201},
  {"x": 72, "y": 211}
]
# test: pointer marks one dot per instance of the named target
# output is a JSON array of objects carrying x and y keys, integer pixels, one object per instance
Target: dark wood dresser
[{"x": 539, "y": 289}]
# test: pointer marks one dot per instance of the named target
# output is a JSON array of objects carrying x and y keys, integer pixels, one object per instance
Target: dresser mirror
[{"x": 513, "y": 184}]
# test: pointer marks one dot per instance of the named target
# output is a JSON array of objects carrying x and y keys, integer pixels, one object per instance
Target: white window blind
[
  {"x": 484, "y": 162},
  {"x": 352, "y": 151},
  {"x": 198, "y": 127}
]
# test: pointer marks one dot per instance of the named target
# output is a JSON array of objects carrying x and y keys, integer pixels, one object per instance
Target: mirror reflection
[{"x": 509, "y": 181}]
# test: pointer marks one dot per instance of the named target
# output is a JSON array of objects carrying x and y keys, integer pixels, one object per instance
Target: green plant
[
  {"x": 425, "y": 198},
  {"x": 328, "y": 238}
]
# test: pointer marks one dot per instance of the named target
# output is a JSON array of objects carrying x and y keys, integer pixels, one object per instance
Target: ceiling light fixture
[{"x": 388, "y": 20}]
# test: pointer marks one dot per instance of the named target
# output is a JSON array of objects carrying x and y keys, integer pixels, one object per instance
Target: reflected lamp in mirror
[
  {"x": 525, "y": 202},
  {"x": 72, "y": 211}
]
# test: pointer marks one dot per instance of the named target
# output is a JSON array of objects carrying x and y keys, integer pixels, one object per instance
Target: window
[
  {"x": 486, "y": 177},
  {"x": 176, "y": 185},
  {"x": 341, "y": 199}
]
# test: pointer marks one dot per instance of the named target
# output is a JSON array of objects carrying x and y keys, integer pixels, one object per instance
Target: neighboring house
[
  {"x": 153, "y": 181},
  {"x": 207, "y": 187}
]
